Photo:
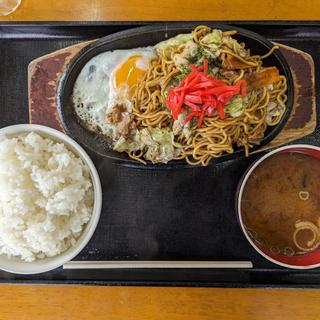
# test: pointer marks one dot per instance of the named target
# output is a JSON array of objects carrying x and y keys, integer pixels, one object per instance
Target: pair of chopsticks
[{"x": 157, "y": 264}]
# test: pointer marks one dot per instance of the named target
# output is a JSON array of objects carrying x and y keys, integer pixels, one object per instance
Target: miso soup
[{"x": 281, "y": 203}]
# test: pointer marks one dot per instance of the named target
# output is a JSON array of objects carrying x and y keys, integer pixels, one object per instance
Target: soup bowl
[{"x": 307, "y": 260}]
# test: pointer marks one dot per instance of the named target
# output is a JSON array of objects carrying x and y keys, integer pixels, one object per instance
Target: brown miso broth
[{"x": 281, "y": 191}]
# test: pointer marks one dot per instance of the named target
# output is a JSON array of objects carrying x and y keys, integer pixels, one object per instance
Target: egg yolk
[{"x": 129, "y": 73}]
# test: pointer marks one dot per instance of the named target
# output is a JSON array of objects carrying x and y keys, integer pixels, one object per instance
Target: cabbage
[
  {"x": 214, "y": 37},
  {"x": 158, "y": 143},
  {"x": 274, "y": 113},
  {"x": 235, "y": 45},
  {"x": 235, "y": 107},
  {"x": 178, "y": 125},
  {"x": 129, "y": 145},
  {"x": 173, "y": 42},
  {"x": 161, "y": 136}
]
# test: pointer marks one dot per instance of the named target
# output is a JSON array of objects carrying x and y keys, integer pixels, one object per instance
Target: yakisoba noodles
[
  {"x": 216, "y": 136},
  {"x": 199, "y": 96}
]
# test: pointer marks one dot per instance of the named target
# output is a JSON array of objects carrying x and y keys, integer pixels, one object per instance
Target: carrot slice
[{"x": 261, "y": 78}]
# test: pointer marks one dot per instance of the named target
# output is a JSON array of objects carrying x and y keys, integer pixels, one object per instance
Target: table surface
[
  {"x": 112, "y": 10},
  {"x": 71, "y": 302}
]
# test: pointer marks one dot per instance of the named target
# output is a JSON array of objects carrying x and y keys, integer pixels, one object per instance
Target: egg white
[{"x": 94, "y": 93}]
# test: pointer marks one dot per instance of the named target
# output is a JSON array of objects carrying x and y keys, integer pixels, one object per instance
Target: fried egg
[{"x": 106, "y": 80}]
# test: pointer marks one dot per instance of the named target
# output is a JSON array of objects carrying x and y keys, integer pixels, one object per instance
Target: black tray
[{"x": 160, "y": 214}]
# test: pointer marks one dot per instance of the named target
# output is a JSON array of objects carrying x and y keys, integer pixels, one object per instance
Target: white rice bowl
[{"x": 50, "y": 198}]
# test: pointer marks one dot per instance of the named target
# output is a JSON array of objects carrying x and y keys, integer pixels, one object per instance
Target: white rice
[{"x": 46, "y": 197}]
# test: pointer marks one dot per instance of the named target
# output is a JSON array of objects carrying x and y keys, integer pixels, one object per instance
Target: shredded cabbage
[
  {"x": 179, "y": 126},
  {"x": 235, "y": 107},
  {"x": 158, "y": 143},
  {"x": 214, "y": 37},
  {"x": 133, "y": 144},
  {"x": 234, "y": 44},
  {"x": 173, "y": 42},
  {"x": 274, "y": 111}
]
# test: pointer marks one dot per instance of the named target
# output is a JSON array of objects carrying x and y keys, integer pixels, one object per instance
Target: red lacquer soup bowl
[{"x": 297, "y": 261}]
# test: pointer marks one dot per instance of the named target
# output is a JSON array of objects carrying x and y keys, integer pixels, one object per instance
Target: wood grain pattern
[
  {"x": 44, "y": 74},
  {"x": 122, "y": 10},
  {"x": 138, "y": 303},
  {"x": 303, "y": 118},
  {"x": 42, "y": 83}
]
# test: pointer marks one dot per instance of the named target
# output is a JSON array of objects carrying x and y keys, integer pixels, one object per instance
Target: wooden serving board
[{"x": 44, "y": 74}]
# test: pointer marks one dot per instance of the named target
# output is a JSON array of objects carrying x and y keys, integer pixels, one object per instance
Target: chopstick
[{"x": 156, "y": 264}]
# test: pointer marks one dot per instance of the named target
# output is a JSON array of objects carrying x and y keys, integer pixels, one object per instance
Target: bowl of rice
[{"x": 50, "y": 199}]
